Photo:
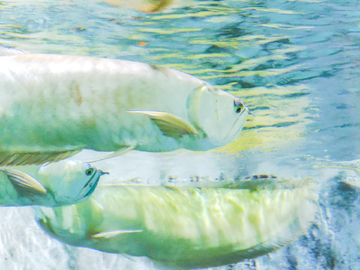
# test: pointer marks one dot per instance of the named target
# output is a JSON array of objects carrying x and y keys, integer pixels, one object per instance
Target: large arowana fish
[
  {"x": 55, "y": 184},
  {"x": 187, "y": 227},
  {"x": 53, "y": 106}
]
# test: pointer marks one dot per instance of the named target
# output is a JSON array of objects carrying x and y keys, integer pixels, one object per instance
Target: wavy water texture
[
  {"x": 295, "y": 64},
  {"x": 225, "y": 43}
]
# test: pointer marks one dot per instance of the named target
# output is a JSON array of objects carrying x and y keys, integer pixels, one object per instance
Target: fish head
[
  {"x": 70, "y": 181},
  {"x": 216, "y": 114}
]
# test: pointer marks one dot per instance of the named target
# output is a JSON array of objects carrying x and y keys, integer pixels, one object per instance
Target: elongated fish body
[
  {"x": 55, "y": 184},
  {"x": 53, "y": 106},
  {"x": 186, "y": 227}
]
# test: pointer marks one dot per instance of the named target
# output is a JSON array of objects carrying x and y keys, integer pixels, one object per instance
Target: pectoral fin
[
  {"x": 169, "y": 124},
  {"x": 24, "y": 184},
  {"x": 114, "y": 233}
]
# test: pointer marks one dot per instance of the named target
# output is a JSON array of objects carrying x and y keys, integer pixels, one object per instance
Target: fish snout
[{"x": 238, "y": 105}]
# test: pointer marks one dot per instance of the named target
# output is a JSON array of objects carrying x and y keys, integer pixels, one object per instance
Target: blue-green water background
[{"x": 295, "y": 64}]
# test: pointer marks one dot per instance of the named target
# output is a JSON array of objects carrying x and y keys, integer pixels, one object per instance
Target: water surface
[{"x": 294, "y": 63}]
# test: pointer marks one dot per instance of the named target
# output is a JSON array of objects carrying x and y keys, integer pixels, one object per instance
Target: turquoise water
[
  {"x": 294, "y": 63},
  {"x": 296, "y": 66}
]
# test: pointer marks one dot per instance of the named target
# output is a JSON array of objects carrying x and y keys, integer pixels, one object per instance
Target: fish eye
[
  {"x": 239, "y": 106},
  {"x": 89, "y": 171}
]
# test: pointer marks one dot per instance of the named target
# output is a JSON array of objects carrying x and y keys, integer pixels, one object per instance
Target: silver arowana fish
[
  {"x": 55, "y": 184},
  {"x": 53, "y": 106},
  {"x": 187, "y": 227}
]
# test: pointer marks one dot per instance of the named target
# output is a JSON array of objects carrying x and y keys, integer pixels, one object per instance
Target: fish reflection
[
  {"x": 60, "y": 183},
  {"x": 187, "y": 227}
]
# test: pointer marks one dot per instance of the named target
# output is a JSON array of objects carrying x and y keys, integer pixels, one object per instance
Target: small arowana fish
[
  {"x": 53, "y": 106},
  {"x": 187, "y": 227},
  {"x": 55, "y": 184}
]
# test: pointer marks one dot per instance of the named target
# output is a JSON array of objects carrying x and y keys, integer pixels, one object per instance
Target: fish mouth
[
  {"x": 91, "y": 190},
  {"x": 93, "y": 182},
  {"x": 240, "y": 117}
]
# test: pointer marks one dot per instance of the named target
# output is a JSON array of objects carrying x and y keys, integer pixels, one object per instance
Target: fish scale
[{"x": 57, "y": 105}]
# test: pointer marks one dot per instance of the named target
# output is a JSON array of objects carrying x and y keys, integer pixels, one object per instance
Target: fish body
[
  {"x": 55, "y": 184},
  {"x": 186, "y": 227},
  {"x": 53, "y": 106}
]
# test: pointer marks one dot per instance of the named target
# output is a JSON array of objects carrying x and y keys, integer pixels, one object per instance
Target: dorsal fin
[
  {"x": 265, "y": 184},
  {"x": 8, "y": 158}
]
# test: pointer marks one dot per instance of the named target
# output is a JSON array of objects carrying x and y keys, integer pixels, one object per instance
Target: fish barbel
[
  {"x": 53, "y": 106},
  {"x": 187, "y": 227},
  {"x": 55, "y": 184}
]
